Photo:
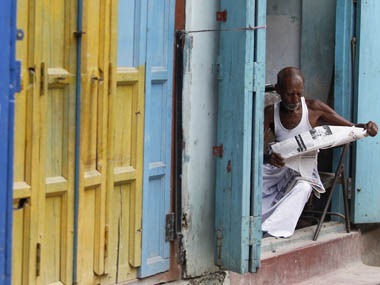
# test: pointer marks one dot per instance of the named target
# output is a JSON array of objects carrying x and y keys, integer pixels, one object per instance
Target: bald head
[
  {"x": 290, "y": 87},
  {"x": 288, "y": 73}
]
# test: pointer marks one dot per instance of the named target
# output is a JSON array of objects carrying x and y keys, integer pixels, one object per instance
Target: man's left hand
[{"x": 371, "y": 128}]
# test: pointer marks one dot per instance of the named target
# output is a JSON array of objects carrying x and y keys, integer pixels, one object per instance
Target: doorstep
[{"x": 295, "y": 259}]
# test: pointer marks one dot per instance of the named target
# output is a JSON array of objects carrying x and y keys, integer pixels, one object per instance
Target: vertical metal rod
[
  {"x": 77, "y": 135},
  {"x": 345, "y": 200},
  {"x": 337, "y": 173}
]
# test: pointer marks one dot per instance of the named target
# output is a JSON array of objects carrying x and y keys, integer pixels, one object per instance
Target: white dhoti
[{"x": 285, "y": 194}]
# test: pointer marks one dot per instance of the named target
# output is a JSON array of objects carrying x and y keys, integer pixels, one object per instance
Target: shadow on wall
[{"x": 371, "y": 244}]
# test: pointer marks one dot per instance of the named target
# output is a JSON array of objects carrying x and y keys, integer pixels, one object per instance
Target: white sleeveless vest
[{"x": 282, "y": 133}]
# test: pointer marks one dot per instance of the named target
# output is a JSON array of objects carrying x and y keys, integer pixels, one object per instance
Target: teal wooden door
[
  {"x": 157, "y": 136},
  {"x": 240, "y": 119},
  {"x": 366, "y": 156}
]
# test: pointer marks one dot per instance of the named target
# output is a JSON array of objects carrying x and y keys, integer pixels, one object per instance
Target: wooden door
[
  {"x": 125, "y": 140},
  {"x": 157, "y": 139},
  {"x": 44, "y": 144},
  {"x": 240, "y": 137},
  {"x": 366, "y": 164},
  {"x": 92, "y": 230}
]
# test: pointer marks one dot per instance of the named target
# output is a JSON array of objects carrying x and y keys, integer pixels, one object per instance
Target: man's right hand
[{"x": 275, "y": 159}]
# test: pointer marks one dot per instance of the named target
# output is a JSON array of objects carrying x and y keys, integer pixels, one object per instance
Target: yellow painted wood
[
  {"x": 25, "y": 152},
  {"x": 44, "y": 143},
  {"x": 93, "y": 146},
  {"x": 125, "y": 152},
  {"x": 111, "y": 148},
  {"x": 56, "y": 56}
]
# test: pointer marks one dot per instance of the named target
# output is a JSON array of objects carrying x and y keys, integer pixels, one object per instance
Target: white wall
[{"x": 199, "y": 131}]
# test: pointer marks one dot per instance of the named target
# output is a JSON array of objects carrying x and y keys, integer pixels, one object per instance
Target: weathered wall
[
  {"x": 317, "y": 47},
  {"x": 199, "y": 131},
  {"x": 301, "y": 33},
  {"x": 283, "y": 36}
]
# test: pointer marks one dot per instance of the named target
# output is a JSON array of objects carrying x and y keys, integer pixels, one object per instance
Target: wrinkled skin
[{"x": 290, "y": 87}]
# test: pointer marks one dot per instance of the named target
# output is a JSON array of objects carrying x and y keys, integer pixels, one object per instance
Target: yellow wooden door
[
  {"x": 55, "y": 51},
  {"x": 92, "y": 230},
  {"x": 44, "y": 144},
  {"x": 25, "y": 155},
  {"x": 125, "y": 149},
  {"x": 110, "y": 150}
]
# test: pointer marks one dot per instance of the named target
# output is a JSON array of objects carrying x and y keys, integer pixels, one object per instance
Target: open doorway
[{"x": 301, "y": 33}]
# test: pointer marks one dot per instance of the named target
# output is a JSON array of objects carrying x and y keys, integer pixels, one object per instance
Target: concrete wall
[
  {"x": 283, "y": 36},
  {"x": 301, "y": 33},
  {"x": 317, "y": 48},
  {"x": 199, "y": 131}
]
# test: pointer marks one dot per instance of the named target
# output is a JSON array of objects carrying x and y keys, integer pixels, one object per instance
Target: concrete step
[
  {"x": 299, "y": 258},
  {"x": 355, "y": 273}
]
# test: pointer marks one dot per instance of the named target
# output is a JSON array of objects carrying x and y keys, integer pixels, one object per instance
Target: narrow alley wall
[{"x": 199, "y": 132}]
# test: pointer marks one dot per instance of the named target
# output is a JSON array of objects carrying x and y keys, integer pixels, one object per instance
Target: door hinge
[
  {"x": 170, "y": 227},
  {"x": 255, "y": 235},
  {"x": 254, "y": 230},
  {"x": 258, "y": 70},
  {"x": 217, "y": 150},
  {"x": 38, "y": 259},
  {"x": 251, "y": 230}
]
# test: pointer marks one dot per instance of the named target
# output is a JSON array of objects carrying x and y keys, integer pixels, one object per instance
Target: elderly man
[{"x": 291, "y": 116}]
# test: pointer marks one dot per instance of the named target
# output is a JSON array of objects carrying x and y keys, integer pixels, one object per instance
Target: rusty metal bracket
[
  {"x": 221, "y": 16},
  {"x": 217, "y": 150}
]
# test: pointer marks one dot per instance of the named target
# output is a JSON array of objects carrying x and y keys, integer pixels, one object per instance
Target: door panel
[
  {"x": 43, "y": 181},
  {"x": 241, "y": 71},
  {"x": 57, "y": 96},
  {"x": 25, "y": 149},
  {"x": 367, "y": 151},
  {"x": 157, "y": 141},
  {"x": 93, "y": 142},
  {"x": 125, "y": 138}
]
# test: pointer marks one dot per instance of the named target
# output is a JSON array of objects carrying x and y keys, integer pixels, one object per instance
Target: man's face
[{"x": 291, "y": 91}]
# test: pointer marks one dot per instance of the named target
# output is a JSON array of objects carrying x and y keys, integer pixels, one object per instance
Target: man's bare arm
[{"x": 322, "y": 114}]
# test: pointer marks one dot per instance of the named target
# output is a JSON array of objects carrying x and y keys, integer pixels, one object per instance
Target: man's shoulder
[
  {"x": 314, "y": 104},
  {"x": 269, "y": 109}
]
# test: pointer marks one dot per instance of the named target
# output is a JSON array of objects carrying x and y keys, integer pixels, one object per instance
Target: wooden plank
[
  {"x": 93, "y": 144},
  {"x": 258, "y": 135},
  {"x": 56, "y": 58},
  {"x": 125, "y": 141},
  {"x": 366, "y": 164},
  {"x": 157, "y": 143},
  {"x": 233, "y": 169}
]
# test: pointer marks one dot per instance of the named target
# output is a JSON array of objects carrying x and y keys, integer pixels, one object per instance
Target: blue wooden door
[
  {"x": 241, "y": 85},
  {"x": 367, "y": 102},
  {"x": 157, "y": 136},
  {"x": 7, "y": 89}
]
